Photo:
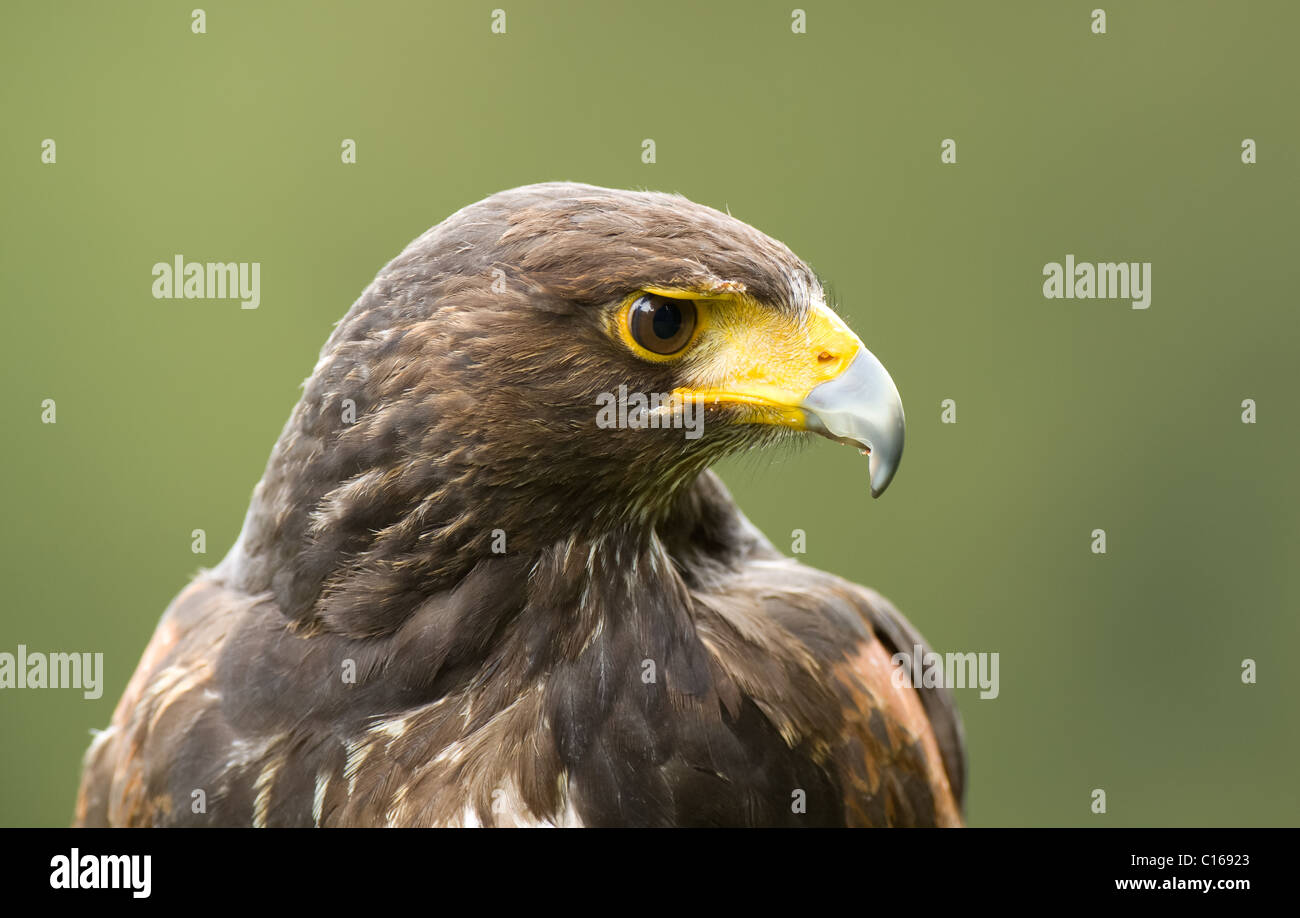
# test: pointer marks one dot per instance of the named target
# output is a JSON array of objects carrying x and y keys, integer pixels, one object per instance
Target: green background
[{"x": 1119, "y": 672}]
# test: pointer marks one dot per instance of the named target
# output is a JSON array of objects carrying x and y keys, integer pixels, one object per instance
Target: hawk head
[{"x": 552, "y": 362}]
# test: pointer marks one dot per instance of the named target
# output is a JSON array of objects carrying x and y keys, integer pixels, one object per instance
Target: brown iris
[{"x": 661, "y": 324}]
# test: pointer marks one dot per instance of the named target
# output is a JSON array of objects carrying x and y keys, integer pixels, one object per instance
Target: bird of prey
[{"x": 459, "y": 599}]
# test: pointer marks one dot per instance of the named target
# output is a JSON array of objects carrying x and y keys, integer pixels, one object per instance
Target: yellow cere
[{"x": 743, "y": 353}]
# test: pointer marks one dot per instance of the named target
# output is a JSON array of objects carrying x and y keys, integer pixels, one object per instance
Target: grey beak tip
[
  {"x": 880, "y": 482},
  {"x": 862, "y": 407}
]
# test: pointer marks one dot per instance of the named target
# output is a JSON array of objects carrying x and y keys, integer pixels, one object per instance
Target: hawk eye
[{"x": 661, "y": 324}]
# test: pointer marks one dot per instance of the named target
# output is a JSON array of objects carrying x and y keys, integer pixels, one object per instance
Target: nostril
[{"x": 825, "y": 357}]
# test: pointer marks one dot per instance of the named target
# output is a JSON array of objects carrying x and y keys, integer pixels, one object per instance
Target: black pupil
[{"x": 667, "y": 321}]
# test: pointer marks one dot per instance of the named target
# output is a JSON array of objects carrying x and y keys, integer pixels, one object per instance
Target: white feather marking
[
  {"x": 318, "y": 798},
  {"x": 100, "y": 737},
  {"x": 357, "y": 753},
  {"x": 262, "y": 802}
]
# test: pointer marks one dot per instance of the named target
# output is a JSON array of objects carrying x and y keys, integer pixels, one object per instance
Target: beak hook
[{"x": 861, "y": 407}]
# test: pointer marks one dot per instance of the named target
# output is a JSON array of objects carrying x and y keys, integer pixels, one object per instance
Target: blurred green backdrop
[{"x": 1119, "y": 671}]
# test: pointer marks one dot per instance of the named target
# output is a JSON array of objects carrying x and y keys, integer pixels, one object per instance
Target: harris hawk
[{"x": 459, "y": 600}]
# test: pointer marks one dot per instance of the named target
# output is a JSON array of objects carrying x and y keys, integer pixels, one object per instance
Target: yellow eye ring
[{"x": 660, "y": 326}]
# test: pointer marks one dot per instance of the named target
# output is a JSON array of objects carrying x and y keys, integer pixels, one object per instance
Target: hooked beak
[
  {"x": 819, "y": 377},
  {"x": 861, "y": 407}
]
